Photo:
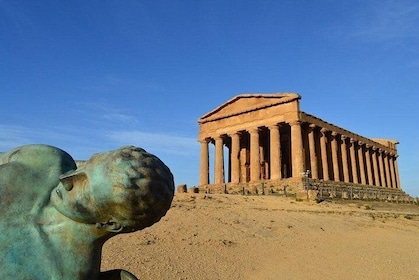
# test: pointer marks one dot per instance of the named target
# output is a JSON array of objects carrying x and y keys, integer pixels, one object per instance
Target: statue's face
[
  {"x": 82, "y": 196},
  {"x": 73, "y": 198}
]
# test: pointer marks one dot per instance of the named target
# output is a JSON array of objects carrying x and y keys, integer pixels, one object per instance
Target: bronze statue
[{"x": 56, "y": 217}]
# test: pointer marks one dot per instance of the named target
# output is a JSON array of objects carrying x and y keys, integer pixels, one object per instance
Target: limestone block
[{"x": 182, "y": 188}]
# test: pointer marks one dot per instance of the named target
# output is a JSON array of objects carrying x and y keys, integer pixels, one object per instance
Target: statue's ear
[{"x": 110, "y": 226}]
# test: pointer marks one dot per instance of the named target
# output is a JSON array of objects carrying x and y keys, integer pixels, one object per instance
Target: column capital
[
  {"x": 253, "y": 130},
  {"x": 360, "y": 143},
  {"x": 204, "y": 141},
  {"x": 352, "y": 140},
  {"x": 343, "y": 137},
  {"x": 218, "y": 137},
  {"x": 323, "y": 130},
  {"x": 334, "y": 134},
  {"x": 374, "y": 148},
  {"x": 367, "y": 146},
  {"x": 311, "y": 127},
  {"x": 295, "y": 122},
  {"x": 275, "y": 126},
  {"x": 231, "y": 134}
]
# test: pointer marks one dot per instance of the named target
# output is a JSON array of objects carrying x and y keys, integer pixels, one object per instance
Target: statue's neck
[{"x": 76, "y": 247}]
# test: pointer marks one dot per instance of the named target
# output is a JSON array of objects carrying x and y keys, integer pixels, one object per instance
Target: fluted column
[
  {"x": 387, "y": 169},
  {"x": 219, "y": 161},
  {"x": 368, "y": 162},
  {"x": 254, "y": 155},
  {"x": 204, "y": 164},
  {"x": 393, "y": 175},
  {"x": 353, "y": 161},
  {"x": 382, "y": 172},
  {"x": 313, "y": 155},
  {"x": 244, "y": 164},
  {"x": 335, "y": 160},
  {"x": 325, "y": 164},
  {"x": 361, "y": 162},
  {"x": 375, "y": 166},
  {"x": 297, "y": 149},
  {"x": 396, "y": 169},
  {"x": 275, "y": 155},
  {"x": 235, "y": 158},
  {"x": 344, "y": 159}
]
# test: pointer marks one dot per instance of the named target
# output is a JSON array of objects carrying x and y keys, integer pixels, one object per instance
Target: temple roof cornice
[{"x": 331, "y": 127}]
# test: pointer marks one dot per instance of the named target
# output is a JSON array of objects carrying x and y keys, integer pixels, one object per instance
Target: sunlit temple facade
[{"x": 266, "y": 137}]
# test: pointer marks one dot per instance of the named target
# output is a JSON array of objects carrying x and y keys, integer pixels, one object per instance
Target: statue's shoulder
[
  {"x": 23, "y": 152},
  {"x": 40, "y": 156},
  {"x": 28, "y": 174}
]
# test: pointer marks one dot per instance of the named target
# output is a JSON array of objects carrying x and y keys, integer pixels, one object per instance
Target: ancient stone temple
[{"x": 266, "y": 138}]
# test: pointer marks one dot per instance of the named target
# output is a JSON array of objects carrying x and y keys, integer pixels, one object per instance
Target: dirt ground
[{"x": 269, "y": 237}]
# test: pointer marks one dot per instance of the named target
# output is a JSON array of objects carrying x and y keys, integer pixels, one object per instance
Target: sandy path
[{"x": 266, "y": 237}]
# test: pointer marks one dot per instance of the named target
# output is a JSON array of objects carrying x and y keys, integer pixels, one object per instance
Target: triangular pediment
[{"x": 244, "y": 103}]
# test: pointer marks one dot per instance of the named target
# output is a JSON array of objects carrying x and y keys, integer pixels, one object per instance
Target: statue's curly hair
[{"x": 142, "y": 184}]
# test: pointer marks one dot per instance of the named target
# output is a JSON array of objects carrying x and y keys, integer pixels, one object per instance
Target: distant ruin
[{"x": 271, "y": 146}]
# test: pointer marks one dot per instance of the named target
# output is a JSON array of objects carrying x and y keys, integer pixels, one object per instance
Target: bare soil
[{"x": 269, "y": 237}]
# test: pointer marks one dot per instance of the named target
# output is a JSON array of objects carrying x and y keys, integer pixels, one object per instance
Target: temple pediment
[{"x": 244, "y": 103}]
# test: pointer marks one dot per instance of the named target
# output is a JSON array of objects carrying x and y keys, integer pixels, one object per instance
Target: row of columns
[
  {"x": 367, "y": 164},
  {"x": 255, "y": 171},
  {"x": 380, "y": 166}
]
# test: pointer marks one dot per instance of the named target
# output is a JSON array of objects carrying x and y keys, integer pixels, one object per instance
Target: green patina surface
[{"x": 56, "y": 218}]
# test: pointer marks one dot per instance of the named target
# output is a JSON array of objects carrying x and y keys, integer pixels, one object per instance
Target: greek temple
[{"x": 267, "y": 138}]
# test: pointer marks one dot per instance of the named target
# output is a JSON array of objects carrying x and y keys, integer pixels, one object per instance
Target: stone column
[
  {"x": 396, "y": 169},
  {"x": 387, "y": 169},
  {"x": 235, "y": 158},
  {"x": 219, "y": 161},
  {"x": 353, "y": 162},
  {"x": 244, "y": 164},
  {"x": 204, "y": 166},
  {"x": 254, "y": 155},
  {"x": 335, "y": 160},
  {"x": 313, "y": 155},
  {"x": 382, "y": 172},
  {"x": 393, "y": 175},
  {"x": 344, "y": 159},
  {"x": 325, "y": 165},
  {"x": 368, "y": 162},
  {"x": 297, "y": 149},
  {"x": 361, "y": 163},
  {"x": 262, "y": 163},
  {"x": 276, "y": 162},
  {"x": 375, "y": 166}
]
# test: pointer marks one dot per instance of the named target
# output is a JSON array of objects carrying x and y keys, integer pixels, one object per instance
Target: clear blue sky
[{"x": 90, "y": 76}]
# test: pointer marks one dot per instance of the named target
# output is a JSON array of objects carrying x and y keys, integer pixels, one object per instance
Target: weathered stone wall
[{"x": 318, "y": 189}]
